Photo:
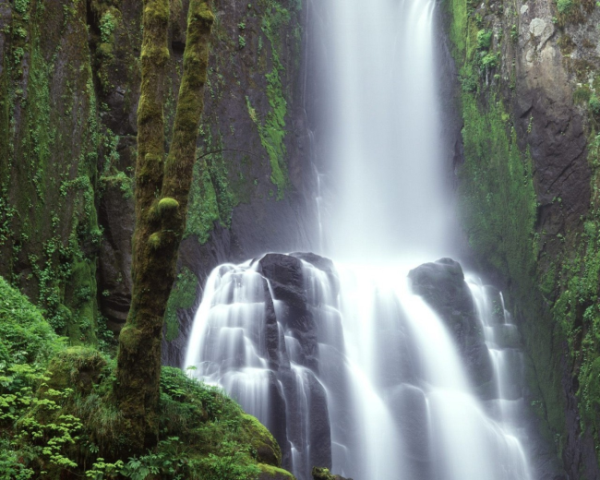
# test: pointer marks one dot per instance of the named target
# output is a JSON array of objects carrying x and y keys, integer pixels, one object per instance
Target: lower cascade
[{"x": 374, "y": 372}]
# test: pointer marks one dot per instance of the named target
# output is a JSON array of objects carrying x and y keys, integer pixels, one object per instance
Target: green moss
[
  {"x": 25, "y": 336},
  {"x": 168, "y": 205},
  {"x": 272, "y": 128},
  {"x": 276, "y": 473},
  {"x": 203, "y": 433},
  {"x": 183, "y": 296},
  {"x": 264, "y": 446},
  {"x": 484, "y": 39},
  {"x": 211, "y": 197}
]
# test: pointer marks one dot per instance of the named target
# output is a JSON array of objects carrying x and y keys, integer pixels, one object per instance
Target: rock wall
[
  {"x": 527, "y": 183},
  {"x": 69, "y": 76}
]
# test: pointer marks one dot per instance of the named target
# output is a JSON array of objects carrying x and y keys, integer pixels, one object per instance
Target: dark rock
[
  {"x": 319, "y": 423},
  {"x": 322, "y": 263},
  {"x": 116, "y": 215},
  {"x": 409, "y": 408},
  {"x": 286, "y": 278},
  {"x": 443, "y": 287}
]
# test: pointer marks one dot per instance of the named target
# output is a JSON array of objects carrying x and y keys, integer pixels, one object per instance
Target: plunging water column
[{"x": 371, "y": 366}]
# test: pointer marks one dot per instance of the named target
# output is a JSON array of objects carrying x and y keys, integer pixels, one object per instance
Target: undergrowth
[{"x": 59, "y": 418}]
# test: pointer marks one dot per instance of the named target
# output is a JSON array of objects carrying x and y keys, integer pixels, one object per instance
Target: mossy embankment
[
  {"x": 528, "y": 189},
  {"x": 58, "y": 417}
]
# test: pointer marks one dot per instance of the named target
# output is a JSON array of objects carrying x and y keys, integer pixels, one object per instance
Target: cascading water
[
  {"x": 363, "y": 366},
  {"x": 349, "y": 368}
]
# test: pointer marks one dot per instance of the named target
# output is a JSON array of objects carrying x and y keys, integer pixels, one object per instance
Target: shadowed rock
[{"x": 442, "y": 285}]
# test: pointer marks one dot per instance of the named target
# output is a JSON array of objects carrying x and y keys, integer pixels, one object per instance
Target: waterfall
[
  {"x": 374, "y": 366},
  {"x": 384, "y": 142},
  {"x": 349, "y": 368}
]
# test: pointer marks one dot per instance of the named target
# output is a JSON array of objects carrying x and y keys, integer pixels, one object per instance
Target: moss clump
[
  {"x": 274, "y": 473},
  {"x": 168, "y": 205},
  {"x": 324, "y": 474},
  {"x": 154, "y": 241},
  {"x": 78, "y": 368}
]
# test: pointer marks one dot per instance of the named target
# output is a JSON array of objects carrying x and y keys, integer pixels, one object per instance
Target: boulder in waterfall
[
  {"x": 442, "y": 285},
  {"x": 296, "y": 394},
  {"x": 286, "y": 278},
  {"x": 324, "y": 264}
]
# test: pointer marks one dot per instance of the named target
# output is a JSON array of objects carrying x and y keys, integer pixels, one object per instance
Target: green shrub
[
  {"x": 594, "y": 105},
  {"x": 25, "y": 336},
  {"x": 484, "y": 39}
]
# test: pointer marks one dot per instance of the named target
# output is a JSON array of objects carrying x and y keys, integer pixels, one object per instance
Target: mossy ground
[{"x": 58, "y": 417}]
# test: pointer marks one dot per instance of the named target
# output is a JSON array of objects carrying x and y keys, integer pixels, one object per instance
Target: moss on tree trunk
[{"x": 162, "y": 190}]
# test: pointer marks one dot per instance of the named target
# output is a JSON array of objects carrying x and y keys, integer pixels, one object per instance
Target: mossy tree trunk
[{"x": 161, "y": 198}]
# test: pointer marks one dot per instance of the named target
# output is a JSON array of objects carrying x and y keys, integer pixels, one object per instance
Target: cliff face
[
  {"x": 69, "y": 76},
  {"x": 528, "y": 190}
]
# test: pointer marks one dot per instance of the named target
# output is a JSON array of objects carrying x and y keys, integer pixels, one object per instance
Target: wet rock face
[
  {"x": 285, "y": 275},
  {"x": 442, "y": 285},
  {"x": 289, "y": 312}
]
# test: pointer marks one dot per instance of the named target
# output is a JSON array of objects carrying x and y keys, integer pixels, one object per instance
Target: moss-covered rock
[
  {"x": 265, "y": 447},
  {"x": 320, "y": 473},
  {"x": 79, "y": 368},
  {"x": 269, "y": 472}
]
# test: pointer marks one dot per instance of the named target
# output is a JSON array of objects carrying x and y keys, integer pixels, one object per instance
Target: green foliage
[
  {"x": 564, "y": 6},
  {"x": 21, "y": 6},
  {"x": 25, "y": 336},
  {"x": 594, "y": 105},
  {"x": 183, "y": 296},
  {"x": 489, "y": 60},
  {"x": 62, "y": 416},
  {"x": 484, "y": 39},
  {"x": 121, "y": 180},
  {"x": 211, "y": 199},
  {"x": 107, "y": 26}
]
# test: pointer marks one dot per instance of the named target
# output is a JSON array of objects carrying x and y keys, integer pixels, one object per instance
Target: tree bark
[{"x": 161, "y": 196}]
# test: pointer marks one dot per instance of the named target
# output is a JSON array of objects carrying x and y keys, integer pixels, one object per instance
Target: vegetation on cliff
[{"x": 529, "y": 197}]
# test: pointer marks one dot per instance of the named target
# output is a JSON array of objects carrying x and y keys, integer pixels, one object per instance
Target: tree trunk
[{"x": 161, "y": 197}]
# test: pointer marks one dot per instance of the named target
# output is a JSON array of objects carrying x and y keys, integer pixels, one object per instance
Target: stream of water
[{"x": 349, "y": 368}]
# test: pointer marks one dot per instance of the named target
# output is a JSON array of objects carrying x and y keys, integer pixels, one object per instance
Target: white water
[
  {"x": 386, "y": 137},
  {"x": 367, "y": 379},
  {"x": 399, "y": 404}
]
